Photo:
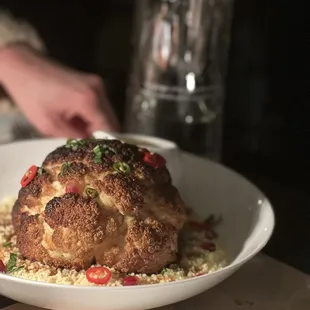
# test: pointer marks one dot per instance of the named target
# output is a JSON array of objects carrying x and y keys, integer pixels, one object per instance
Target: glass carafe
[{"x": 176, "y": 89}]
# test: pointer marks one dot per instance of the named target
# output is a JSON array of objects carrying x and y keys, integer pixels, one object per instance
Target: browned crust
[
  {"x": 74, "y": 171},
  {"x": 132, "y": 225},
  {"x": 16, "y": 214},
  {"x": 34, "y": 188},
  {"x": 126, "y": 192},
  {"x": 150, "y": 245},
  {"x": 86, "y": 154},
  {"x": 29, "y": 237},
  {"x": 72, "y": 211}
]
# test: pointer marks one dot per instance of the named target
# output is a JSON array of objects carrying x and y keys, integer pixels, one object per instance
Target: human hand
[{"x": 58, "y": 101}]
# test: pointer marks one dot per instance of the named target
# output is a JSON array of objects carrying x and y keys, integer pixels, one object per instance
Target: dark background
[{"x": 266, "y": 126}]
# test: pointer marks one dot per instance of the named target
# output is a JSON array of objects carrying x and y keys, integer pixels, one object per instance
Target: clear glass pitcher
[{"x": 179, "y": 66}]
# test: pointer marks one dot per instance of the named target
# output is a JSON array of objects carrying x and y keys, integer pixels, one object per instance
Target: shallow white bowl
[{"x": 207, "y": 187}]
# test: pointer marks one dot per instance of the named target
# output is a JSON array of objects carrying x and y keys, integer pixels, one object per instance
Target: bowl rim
[
  {"x": 232, "y": 266},
  {"x": 161, "y": 144}
]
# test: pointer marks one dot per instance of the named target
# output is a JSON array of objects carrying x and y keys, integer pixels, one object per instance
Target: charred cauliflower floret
[{"x": 100, "y": 201}]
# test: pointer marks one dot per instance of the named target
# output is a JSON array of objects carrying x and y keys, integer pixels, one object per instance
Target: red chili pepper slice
[
  {"x": 72, "y": 188},
  {"x": 154, "y": 160},
  {"x": 2, "y": 266},
  {"x": 29, "y": 176},
  {"x": 209, "y": 246},
  {"x": 130, "y": 280},
  {"x": 98, "y": 275}
]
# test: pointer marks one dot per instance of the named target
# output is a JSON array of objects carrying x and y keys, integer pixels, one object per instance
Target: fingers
[
  {"x": 78, "y": 120},
  {"x": 108, "y": 115},
  {"x": 61, "y": 128},
  {"x": 99, "y": 120},
  {"x": 85, "y": 117},
  {"x": 77, "y": 113}
]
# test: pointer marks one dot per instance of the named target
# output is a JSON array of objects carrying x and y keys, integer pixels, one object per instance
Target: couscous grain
[{"x": 198, "y": 255}]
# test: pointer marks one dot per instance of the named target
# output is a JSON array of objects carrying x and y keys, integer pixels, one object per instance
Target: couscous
[{"x": 199, "y": 254}]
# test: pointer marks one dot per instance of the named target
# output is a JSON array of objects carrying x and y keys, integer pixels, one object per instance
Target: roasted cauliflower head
[{"x": 100, "y": 201}]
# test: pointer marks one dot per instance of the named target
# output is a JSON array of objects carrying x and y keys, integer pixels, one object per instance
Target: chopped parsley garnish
[
  {"x": 11, "y": 266},
  {"x": 121, "y": 167},
  {"x": 165, "y": 270},
  {"x": 7, "y": 244}
]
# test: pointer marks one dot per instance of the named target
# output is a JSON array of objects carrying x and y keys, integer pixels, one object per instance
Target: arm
[
  {"x": 13, "y": 31},
  {"x": 12, "y": 63},
  {"x": 57, "y": 100}
]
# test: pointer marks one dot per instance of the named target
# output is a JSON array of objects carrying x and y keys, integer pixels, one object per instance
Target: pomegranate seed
[
  {"x": 2, "y": 266},
  {"x": 211, "y": 234},
  {"x": 209, "y": 246},
  {"x": 130, "y": 280},
  {"x": 72, "y": 188}
]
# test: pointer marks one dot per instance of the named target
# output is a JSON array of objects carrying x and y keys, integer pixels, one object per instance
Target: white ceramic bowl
[{"x": 207, "y": 187}]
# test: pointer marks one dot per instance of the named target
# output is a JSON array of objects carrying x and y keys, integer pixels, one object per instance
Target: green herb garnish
[
  {"x": 40, "y": 171},
  {"x": 7, "y": 244},
  {"x": 12, "y": 262},
  {"x": 11, "y": 266},
  {"x": 98, "y": 154},
  {"x": 91, "y": 193},
  {"x": 121, "y": 167},
  {"x": 107, "y": 149},
  {"x": 101, "y": 150},
  {"x": 74, "y": 144},
  {"x": 65, "y": 169},
  {"x": 131, "y": 153},
  {"x": 18, "y": 268}
]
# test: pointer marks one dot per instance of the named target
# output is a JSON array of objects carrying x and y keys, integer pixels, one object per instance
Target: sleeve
[{"x": 18, "y": 31}]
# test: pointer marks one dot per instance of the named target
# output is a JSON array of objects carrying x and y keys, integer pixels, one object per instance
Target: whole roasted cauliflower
[{"x": 99, "y": 201}]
